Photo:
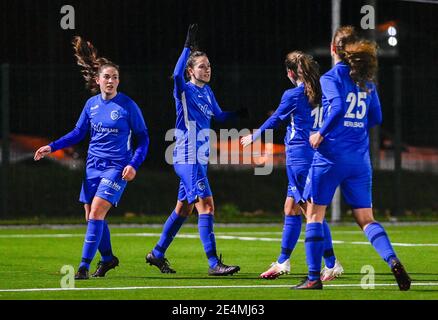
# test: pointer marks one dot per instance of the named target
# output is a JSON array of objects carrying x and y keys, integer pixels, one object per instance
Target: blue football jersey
[
  {"x": 111, "y": 124},
  {"x": 302, "y": 120},
  {"x": 348, "y": 112},
  {"x": 195, "y": 107}
]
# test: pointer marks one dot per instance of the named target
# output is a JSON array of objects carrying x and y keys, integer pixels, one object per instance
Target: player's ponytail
[
  {"x": 307, "y": 71},
  {"x": 86, "y": 56},
  {"x": 359, "y": 54}
]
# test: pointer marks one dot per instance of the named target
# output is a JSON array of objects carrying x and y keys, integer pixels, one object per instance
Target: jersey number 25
[{"x": 356, "y": 101}]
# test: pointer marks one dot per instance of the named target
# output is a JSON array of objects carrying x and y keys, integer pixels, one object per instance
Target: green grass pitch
[{"x": 31, "y": 262}]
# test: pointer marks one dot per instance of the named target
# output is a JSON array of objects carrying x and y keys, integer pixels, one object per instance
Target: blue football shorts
[
  {"x": 103, "y": 179},
  {"x": 194, "y": 182},
  {"x": 297, "y": 175},
  {"x": 354, "y": 179}
]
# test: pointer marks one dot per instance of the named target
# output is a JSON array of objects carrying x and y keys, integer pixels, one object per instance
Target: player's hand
[
  {"x": 191, "y": 37},
  {"x": 315, "y": 140},
  {"x": 246, "y": 141},
  {"x": 129, "y": 173},
  {"x": 42, "y": 152}
]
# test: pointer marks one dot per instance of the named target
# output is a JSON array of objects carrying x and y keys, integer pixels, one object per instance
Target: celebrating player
[
  {"x": 195, "y": 107},
  {"x": 111, "y": 118},
  {"x": 350, "y": 107},
  {"x": 300, "y": 106}
]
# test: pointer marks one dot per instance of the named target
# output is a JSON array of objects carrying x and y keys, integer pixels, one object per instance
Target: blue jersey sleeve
[
  {"x": 141, "y": 151},
  {"x": 375, "y": 111},
  {"x": 178, "y": 73},
  {"x": 136, "y": 120},
  {"x": 76, "y": 135},
  {"x": 138, "y": 127},
  {"x": 286, "y": 107},
  {"x": 332, "y": 92},
  {"x": 219, "y": 115}
]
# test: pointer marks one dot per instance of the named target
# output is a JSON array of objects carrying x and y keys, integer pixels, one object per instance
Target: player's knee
[
  {"x": 97, "y": 215},
  {"x": 290, "y": 209},
  {"x": 183, "y": 213},
  {"x": 183, "y": 208},
  {"x": 363, "y": 224},
  {"x": 209, "y": 208},
  {"x": 292, "y": 213},
  {"x": 363, "y": 216},
  {"x": 97, "y": 212}
]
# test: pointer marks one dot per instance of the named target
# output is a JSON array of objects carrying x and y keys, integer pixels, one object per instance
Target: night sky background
[{"x": 246, "y": 42}]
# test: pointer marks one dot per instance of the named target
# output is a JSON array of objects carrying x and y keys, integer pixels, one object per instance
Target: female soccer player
[
  {"x": 195, "y": 106},
  {"x": 111, "y": 118},
  {"x": 300, "y": 106},
  {"x": 350, "y": 107}
]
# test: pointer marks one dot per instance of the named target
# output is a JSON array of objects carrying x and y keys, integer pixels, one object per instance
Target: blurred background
[{"x": 42, "y": 94}]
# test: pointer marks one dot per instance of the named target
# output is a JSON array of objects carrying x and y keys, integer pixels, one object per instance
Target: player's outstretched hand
[
  {"x": 129, "y": 173},
  {"x": 42, "y": 152},
  {"x": 191, "y": 41},
  {"x": 315, "y": 140},
  {"x": 246, "y": 141}
]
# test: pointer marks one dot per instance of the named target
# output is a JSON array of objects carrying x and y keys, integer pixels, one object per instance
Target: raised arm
[{"x": 178, "y": 72}]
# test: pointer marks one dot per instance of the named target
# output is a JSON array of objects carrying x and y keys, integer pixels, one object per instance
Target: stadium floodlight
[
  {"x": 392, "y": 41},
  {"x": 392, "y": 31}
]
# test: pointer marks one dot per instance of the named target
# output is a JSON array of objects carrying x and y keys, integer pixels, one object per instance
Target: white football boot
[
  {"x": 276, "y": 269},
  {"x": 328, "y": 274}
]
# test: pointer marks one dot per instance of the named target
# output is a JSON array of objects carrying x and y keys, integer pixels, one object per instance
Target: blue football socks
[
  {"x": 379, "y": 239},
  {"x": 105, "y": 248},
  {"x": 291, "y": 233},
  {"x": 170, "y": 229},
  {"x": 205, "y": 226},
  {"x": 314, "y": 245},
  {"x": 329, "y": 254},
  {"x": 91, "y": 242}
]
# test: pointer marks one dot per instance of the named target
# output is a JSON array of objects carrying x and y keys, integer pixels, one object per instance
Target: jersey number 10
[{"x": 317, "y": 114}]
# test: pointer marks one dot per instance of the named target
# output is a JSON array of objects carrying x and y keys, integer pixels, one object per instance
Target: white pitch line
[
  {"x": 196, "y": 236},
  {"x": 420, "y": 284}
]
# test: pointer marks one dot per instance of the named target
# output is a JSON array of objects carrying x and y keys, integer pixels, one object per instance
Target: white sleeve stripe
[
  {"x": 128, "y": 144},
  {"x": 184, "y": 104}
]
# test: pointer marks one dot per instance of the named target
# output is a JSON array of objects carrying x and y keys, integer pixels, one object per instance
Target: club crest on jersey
[
  {"x": 201, "y": 185},
  {"x": 115, "y": 115}
]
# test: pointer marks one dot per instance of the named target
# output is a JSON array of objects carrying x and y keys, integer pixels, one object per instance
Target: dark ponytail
[
  {"x": 359, "y": 54},
  {"x": 86, "y": 56},
  {"x": 307, "y": 71}
]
